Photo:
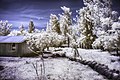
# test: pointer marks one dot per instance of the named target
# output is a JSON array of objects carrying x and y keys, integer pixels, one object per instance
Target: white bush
[{"x": 107, "y": 42}]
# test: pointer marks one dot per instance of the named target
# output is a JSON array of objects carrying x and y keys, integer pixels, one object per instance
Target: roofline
[{"x": 12, "y": 42}]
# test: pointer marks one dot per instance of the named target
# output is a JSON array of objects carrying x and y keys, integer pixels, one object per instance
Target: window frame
[{"x": 13, "y": 47}]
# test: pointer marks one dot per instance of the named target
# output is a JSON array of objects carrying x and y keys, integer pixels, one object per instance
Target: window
[{"x": 13, "y": 47}]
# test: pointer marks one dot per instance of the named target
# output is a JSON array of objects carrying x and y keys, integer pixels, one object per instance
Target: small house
[{"x": 13, "y": 46}]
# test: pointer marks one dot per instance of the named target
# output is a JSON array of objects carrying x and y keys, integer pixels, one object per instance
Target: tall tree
[
  {"x": 99, "y": 9},
  {"x": 31, "y": 27},
  {"x": 65, "y": 22},
  {"x": 91, "y": 18},
  {"x": 21, "y": 28},
  {"x": 86, "y": 28},
  {"x": 54, "y": 25}
]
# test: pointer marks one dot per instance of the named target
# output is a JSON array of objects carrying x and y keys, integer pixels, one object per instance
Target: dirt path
[{"x": 55, "y": 69}]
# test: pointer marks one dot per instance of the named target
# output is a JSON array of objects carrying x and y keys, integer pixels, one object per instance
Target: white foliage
[
  {"x": 65, "y": 9},
  {"x": 80, "y": 41},
  {"x": 116, "y": 26},
  {"x": 110, "y": 42},
  {"x": 73, "y": 42},
  {"x": 106, "y": 42},
  {"x": 24, "y": 32},
  {"x": 53, "y": 25},
  {"x": 115, "y": 15},
  {"x": 5, "y": 28},
  {"x": 94, "y": 11},
  {"x": 40, "y": 41},
  {"x": 21, "y": 28},
  {"x": 18, "y": 33},
  {"x": 53, "y": 18},
  {"x": 98, "y": 7},
  {"x": 39, "y": 31},
  {"x": 65, "y": 20},
  {"x": 106, "y": 23}
]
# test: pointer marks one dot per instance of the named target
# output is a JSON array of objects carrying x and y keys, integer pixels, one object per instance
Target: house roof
[{"x": 12, "y": 39}]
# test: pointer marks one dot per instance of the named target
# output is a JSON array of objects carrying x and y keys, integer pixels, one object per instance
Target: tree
[
  {"x": 93, "y": 19},
  {"x": 54, "y": 25},
  {"x": 21, "y": 28},
  {"x": 31, "y": 27},
  {"x": 65, "y": 22},
  {"x": 108, "y": 37},
  {"x": 5, "y": 28},
  {"x": 39, "y": 41},
  {"x": 109, "y": 42},
  {"x": 86, "y": 28},
  {"x": 99, "y": 9}
]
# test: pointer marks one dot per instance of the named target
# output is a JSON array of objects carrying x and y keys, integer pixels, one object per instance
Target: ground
[{"x": 57, "y": 68}]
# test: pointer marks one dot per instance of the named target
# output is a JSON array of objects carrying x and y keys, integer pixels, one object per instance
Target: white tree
[
  {"x": 21, "y": 28},
  {"x": 86, "y": 25},
  {"x": 31, "y": 27},
  {"x": 5, "y": 28},
  {"x": 108, "y": 34},
  {"x": 65, "y": 22},
  {"x": 53, "y": 25},
  {"x": 109, "y": 42},
  {"x": 100, "y": 16},
  {"x": 39, "y": 41},
  {"x": 98, "y": 9}
]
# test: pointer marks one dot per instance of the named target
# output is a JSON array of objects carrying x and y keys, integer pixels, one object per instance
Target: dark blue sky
[{"x": 21, "y": 11}]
